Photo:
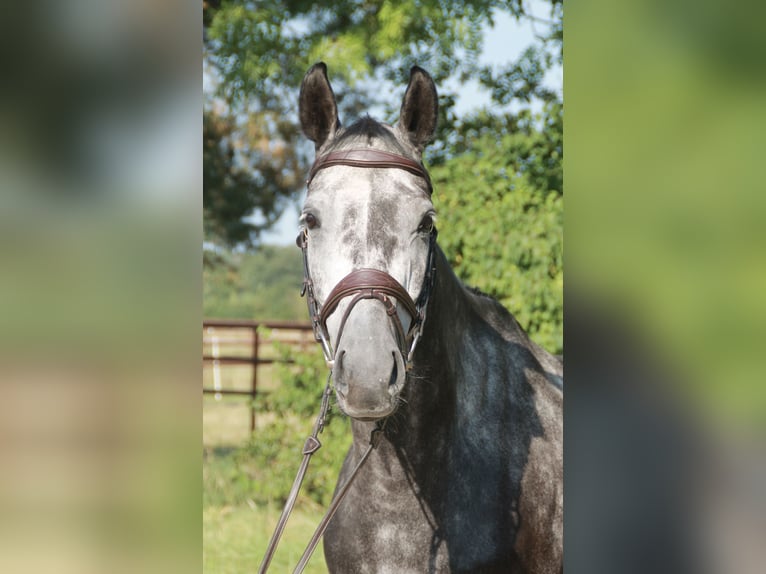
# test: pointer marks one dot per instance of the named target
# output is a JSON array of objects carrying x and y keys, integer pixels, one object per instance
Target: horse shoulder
[
  {"x": 535, "y": 386},
  {"x": 539, "y": 540}
]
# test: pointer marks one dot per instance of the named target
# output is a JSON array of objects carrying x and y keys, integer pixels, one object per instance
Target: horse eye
[
  {"x": 426, "y": 225},
  {"x": 310, "y": 220}
]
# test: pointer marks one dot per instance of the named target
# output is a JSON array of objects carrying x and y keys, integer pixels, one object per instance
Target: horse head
[{"x": 368, "y": 237}]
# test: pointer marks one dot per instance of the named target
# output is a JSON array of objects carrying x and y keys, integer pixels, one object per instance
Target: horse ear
[
  {"x": 420, "y": 109},
  {"x": 318, "y": 110}
]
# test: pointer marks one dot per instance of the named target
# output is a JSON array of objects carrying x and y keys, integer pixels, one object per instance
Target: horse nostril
[
  {"x": 394, "y": 371},
  {"x": 339, "y": 376}
]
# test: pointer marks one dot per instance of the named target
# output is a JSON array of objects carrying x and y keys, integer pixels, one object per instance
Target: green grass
[
  {"x": 235, "y": 539},
  {"x": 225, "y": 422},
  {"x": 235, "y": 529}
]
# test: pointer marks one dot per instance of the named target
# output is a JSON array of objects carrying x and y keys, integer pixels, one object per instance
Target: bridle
[
  {"x": 360, "y": 284},
  {"x": 369, "y": 283},
  {"x": 369, "y": 158}
]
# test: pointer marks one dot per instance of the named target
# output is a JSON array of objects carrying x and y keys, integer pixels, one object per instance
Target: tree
[
  {"x": 258, "y": 51},
  {"x": 262, "y": 285},
  {"x": 243, "y": 172},
  {"x": 505, "y": 235}
]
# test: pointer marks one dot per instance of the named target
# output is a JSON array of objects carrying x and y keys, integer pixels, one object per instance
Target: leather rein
[{"x": 360, "y": 284}]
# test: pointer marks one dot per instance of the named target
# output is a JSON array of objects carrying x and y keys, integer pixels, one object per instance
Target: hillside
[{"x": 263, "y": 285}]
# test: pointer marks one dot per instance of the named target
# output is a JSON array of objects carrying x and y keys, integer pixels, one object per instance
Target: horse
[{"x": 467, "y": 475}]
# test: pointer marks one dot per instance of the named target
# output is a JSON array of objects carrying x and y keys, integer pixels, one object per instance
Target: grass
[
  {"x": 226, "y": 422},
  {"x": 235, "y": 539},
  {"x": 236, "y": 531}
]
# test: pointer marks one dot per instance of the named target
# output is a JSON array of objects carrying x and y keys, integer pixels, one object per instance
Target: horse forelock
[{"x": 369, "y": 133}]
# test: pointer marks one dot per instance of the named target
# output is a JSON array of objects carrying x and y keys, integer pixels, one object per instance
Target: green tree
[
  {"x": 505, "y": 235},
  {"x": 257, "y": 52},
  {"x": 247, "y": 177}
]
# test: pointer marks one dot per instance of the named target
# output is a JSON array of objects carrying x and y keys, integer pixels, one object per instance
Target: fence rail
[{"x": 251, "y": 340}]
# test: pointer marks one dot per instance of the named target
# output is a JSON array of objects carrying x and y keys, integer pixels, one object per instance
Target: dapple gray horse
[{"x": 468, "y": 474}]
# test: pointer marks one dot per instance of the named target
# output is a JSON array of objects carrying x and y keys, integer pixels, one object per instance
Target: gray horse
[{"x": 468, "y": 474}]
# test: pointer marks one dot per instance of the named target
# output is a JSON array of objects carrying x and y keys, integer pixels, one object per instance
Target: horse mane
[
  {"x": 479, "y": 292},
  {"x": 494, "y": 312},
  {"x": 363, "y": 132}
]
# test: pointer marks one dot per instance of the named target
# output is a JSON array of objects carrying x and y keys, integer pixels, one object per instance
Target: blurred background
[
  {"x": 666, "y": 273},
  {"x": 119, "y": 238},
  {"x": 100, "y": 281}
]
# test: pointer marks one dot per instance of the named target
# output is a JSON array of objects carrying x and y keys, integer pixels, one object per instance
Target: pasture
[
  {"x": 235, "y": 538},
  {"x": 236, "y": 528}
]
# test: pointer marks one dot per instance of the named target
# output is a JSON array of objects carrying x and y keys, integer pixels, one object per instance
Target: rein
[{"x": 361, "y": 284}]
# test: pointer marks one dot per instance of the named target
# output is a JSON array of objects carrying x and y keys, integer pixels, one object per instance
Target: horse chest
[
  {"x": 381, "y": 527},
  {"x": 399, "y": 525}
]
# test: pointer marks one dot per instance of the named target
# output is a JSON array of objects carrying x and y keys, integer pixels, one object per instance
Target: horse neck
[{"x": 420, "y": 424}]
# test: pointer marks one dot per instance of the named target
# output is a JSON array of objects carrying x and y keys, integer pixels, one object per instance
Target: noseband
[{"x": 369, "y": 283}]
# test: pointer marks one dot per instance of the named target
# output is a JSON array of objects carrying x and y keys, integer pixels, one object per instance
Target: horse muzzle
[
  {"x": 374, "y": 348},
  {"x": 369, "y": 370},
  {"x": 369, "y": 365}
]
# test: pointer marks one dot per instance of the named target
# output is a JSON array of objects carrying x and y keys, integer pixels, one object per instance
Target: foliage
[
  {"x": 257, "y": 53},
  {"x": 505, "y": 235},
  {"x": 275, "y": 452},
  {"x": 263, "y": 470},
  {"x": 261, "y": 285},
  {"x": 243, "y": 172}
]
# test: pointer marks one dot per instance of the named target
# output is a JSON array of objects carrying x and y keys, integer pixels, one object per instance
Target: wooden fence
[{"x": 227, "y": 342}]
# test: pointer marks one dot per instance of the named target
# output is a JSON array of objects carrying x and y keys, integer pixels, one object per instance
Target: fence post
[
  {"x": 255, "y": 377},
  {"x": 216, "y": 363}
]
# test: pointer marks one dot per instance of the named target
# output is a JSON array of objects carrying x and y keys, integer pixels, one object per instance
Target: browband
[{"x": 369, "y": 158}]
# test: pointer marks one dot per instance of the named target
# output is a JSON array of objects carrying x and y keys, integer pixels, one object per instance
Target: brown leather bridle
[
  {"x": 369, "y": 158},
  {"x": 369, "y": 283},
  {"x": 360, "y": 284}
]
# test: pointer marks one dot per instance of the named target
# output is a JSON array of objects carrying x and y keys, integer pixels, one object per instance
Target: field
[
  {"x": 235, "y": 539},
  {"x": 235, "y": 529}
]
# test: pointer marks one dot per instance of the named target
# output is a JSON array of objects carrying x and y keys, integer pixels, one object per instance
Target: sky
[{"x": 502, "y": 43}]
